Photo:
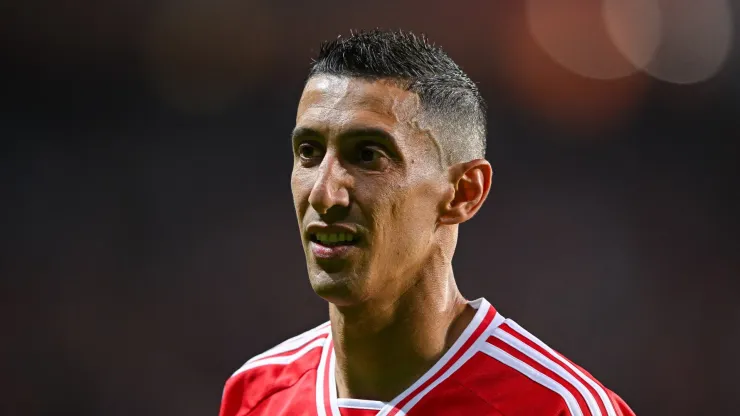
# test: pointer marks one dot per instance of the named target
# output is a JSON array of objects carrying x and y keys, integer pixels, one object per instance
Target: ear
[{"x": 471, "y": 182}]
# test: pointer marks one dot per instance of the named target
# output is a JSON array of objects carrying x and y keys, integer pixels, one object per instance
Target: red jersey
[{"x": 495, "y": 368}]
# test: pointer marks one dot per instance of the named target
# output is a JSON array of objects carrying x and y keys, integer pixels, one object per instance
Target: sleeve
[
  {"x": 232, "y": 403},
  {"x": 620, "y": 406}
]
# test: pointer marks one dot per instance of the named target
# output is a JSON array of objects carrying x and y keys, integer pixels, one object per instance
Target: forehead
[{"x": 331, "y": 104}]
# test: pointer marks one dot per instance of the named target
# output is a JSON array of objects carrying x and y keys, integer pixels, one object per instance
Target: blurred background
[{"x": 149, "y": 242}]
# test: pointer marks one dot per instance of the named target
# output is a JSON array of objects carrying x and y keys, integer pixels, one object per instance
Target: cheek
[
  {"x": 300, "y": 185},
  {"x": 407, "y": 212},
  {"x": 419, "y": 210}
]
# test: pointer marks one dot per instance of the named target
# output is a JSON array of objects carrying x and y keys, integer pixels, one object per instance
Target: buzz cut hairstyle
[{"x": 452, "y": 107}]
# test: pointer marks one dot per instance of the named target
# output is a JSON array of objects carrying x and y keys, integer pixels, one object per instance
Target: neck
[{"x": 383, "y": 348}]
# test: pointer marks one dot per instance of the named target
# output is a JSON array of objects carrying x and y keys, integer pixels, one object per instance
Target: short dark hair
[{"x": 451, "y": 102}]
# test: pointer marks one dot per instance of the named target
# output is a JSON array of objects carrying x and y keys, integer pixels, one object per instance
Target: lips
[{"x": 332, "y": 241}]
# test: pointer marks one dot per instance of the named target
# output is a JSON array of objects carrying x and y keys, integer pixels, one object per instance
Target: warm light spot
[
  {"x": 583, "y": 106},
  {"x": 574, "y": 34},
  {"x": 696, "y": 40},
  {"x": 634, "y": 27}
]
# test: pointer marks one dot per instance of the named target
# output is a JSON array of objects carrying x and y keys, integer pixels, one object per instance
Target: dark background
[{"x": 149, "y": 243}]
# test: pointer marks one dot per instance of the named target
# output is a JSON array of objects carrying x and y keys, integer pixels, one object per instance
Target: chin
[{"x": 339, "y": 288}]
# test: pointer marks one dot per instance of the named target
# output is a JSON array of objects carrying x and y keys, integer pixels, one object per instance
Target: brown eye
[
  {"x": 308, "y": 151},
  {"x": 368, "y": 154},
  {"x": 371, "y": 156}
]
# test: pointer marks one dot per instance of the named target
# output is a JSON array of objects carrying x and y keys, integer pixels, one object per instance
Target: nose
[{"x": 331, "y": 188}]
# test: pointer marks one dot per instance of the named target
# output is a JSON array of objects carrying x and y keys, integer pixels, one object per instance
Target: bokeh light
[
  {"x": 678, "y": 41},
  {"x": 566, "y": 100},
  {"x": 696, "y": 40},
  {"x": 635, "y": 28},
  {"x": 573, "y": 33}
]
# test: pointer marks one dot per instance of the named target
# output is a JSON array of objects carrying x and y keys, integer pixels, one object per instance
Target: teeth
[{"x": 334, "y": 237}]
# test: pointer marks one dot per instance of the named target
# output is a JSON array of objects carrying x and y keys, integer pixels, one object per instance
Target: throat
[
  {"x": 381, "y": 372},
  {"x": 380, "y": 363}
]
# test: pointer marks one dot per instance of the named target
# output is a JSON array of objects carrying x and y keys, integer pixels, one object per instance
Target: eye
[
  {"x": 309, "y": 151},
  {"x": 368, "y": 154},
  {"x": 371, "y": 156}
]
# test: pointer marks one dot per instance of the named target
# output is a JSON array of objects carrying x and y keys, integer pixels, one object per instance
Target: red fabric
[
  {"x": 506, "y": 328},
  {"x": 346, "y": 411},
  {"x": 274, "y": 389},
  {"x": 477, "y": 333},
  {"x": 487, "y": 384},
  {"x": 532, "y": 363}
]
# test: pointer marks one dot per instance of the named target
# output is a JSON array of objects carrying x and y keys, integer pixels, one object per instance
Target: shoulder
[
  {"x": 289, "y": 350},
  {"x": 274, "y": 370},
  {"x": 518, "y": 371}
]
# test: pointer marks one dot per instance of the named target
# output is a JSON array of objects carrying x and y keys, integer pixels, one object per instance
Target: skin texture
[{"x": 394, "y": 305}]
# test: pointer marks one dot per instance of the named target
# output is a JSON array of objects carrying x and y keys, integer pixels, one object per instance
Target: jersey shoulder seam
[{"x": 292, "y": 344}]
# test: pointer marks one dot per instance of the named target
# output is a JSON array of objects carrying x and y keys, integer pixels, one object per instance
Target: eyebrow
[
  {"x": 301, "y": 132},
  {"x": 304, "y": 132}
]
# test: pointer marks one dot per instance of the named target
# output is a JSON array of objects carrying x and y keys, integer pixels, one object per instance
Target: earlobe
[{"x": 472, "y": 182}]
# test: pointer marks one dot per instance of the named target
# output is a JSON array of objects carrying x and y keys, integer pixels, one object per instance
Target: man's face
[{"x": 367, "y": 186}]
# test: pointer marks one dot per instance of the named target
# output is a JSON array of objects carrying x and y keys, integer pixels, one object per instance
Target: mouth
[
  {"x": 335, "y": 239},
  {"x": 330, "y": 243}
]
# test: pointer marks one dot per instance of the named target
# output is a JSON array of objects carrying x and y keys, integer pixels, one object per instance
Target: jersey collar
[{"x": 486, "y": 318}]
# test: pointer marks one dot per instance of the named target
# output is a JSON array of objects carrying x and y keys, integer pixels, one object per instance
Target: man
[{"x": 388, "y": 150}]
